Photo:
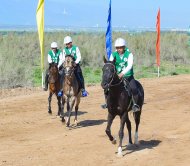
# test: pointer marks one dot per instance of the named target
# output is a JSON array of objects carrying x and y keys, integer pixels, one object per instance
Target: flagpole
[
  {"x": 109, "y": 34},
  {"x": 158, "y": 42},
  {"x": 42, "y": 79},
  {"x": 158, "y": 71},
  {"x": 40, "y": 26}
]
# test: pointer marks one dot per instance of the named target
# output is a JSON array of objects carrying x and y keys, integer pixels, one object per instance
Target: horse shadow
[
  {"x": 73, "y": 114},
  {"x": 87, "y": 123},
  {"x": 141, "y": 146}
]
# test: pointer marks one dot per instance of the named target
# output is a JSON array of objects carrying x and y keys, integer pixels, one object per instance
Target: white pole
[
  {"x": 158, "y": 71},
  {"x": 42, "y": 79}
]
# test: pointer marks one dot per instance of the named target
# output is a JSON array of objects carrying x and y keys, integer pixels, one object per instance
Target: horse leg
[
  {"x": 128, "y": 124},
  {"x": 59, "y": 105},
  {"x": 70, "y": 111},
  {"x": 121, "y": 133},
  {"x": 49, "y": 101},
  {"x": 108, "y": 128},
  {"x": 68, "y": 104},
  {"x": 62, "y": 110},
  {"x": 137, "y": 116},
  {"x": 76, "y": 109}
]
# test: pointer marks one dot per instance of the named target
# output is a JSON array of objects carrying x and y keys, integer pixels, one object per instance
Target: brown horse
[
  {"x": 54, "y": 87},
  {"x": 71, "y": 89}
]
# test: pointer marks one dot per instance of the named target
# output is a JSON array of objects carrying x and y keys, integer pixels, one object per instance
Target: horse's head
[
  {"x": 109, "y": 73},
  {"x": 53, "y": 73},
  {"x": 68, "y": 65}
]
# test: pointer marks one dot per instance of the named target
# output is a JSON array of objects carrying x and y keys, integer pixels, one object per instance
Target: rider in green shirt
[
  {"x": 74, "y": 51},
  {"x": 54, "y": 55}
]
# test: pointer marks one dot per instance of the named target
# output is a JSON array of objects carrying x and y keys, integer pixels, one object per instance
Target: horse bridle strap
[{"x": 109, "y": 84}]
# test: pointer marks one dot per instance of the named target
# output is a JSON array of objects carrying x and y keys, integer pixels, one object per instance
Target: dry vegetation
[{"x": 20, "y": 54}]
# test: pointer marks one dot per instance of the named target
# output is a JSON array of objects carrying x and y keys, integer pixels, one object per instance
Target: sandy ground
[{"x": 30, "y": 136}]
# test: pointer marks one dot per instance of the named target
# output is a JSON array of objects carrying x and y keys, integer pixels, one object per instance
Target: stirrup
[
  {"x": 84, "y": 93},
  {"x": 104, "y": 106},
  {"x": 60, "y": 93},
  {"x": 135, "y": 108}
]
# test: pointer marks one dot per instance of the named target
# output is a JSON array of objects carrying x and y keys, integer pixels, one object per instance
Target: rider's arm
[
  {"x": 111, "y": 58},
  {"x": 78, "y": 56},
  {"x": 130, "y": 64},
  {"x": 49, "y": 59},
  {"x": 61, "y": 59}
]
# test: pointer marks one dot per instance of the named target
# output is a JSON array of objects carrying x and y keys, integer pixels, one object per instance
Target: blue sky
[{"x": 129, "y": 13}]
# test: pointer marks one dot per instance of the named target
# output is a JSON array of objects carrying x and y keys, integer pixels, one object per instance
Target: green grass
[
  {"x": 37, "y": 76},
  {"x": 92, "y": 76}
]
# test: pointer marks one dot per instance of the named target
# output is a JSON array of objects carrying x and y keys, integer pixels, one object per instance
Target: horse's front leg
[
  {"x": 108, "y": 128},
  {"x": 49, "y": 103},
  {"x": 62, "y": 110},
  {"x": 121, "y": 133},
  {"x": 59, "y": 105},
  {"x": 70, "y": 110},
  {"x": 76, "y": 109}
]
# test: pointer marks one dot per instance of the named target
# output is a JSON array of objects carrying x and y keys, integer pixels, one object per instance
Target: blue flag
[{"x": 109, "y": 34}]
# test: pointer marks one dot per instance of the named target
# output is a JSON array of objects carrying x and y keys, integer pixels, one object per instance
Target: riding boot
[
  {"x": 81, "y": 80},
  {"x": 135, "y": 106},
  {"x": 134, "y": 90},
  {"x": 46, "y": 81},
  {"x": 61, "y": 76}
]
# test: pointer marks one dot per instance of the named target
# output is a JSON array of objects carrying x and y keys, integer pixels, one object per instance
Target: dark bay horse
[
  {"x": 119, "y": 102},
  {"x": 71, "y": 89},
  {"x": 54, "y": 87}
]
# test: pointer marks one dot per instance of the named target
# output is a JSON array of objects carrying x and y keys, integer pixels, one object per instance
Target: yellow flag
[{"x": 40, "y": 25}]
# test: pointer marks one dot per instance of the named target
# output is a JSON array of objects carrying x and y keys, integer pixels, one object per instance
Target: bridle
[
  {"x": 110, "y": 83},
  {"x": 70, "y": 71}
]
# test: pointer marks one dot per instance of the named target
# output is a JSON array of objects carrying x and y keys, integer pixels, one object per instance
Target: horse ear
[{"x": 105, "y": 60}]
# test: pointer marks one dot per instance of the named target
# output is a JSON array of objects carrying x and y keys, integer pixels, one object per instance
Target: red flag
[{"x": 158, "y": 39}]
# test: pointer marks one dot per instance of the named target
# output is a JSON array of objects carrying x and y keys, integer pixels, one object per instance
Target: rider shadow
[{"x": 142, "y": 145}]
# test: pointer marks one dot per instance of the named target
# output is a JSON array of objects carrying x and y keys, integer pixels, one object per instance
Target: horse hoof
[
  {"x": 63, "y": 120},
  {"x": 119, "y": 155},
  {"x": 75, "y": 122},
  {"x": 114, "y": 141}
]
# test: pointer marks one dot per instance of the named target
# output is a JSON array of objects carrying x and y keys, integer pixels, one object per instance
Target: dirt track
[{"x": 29, "y": 136}]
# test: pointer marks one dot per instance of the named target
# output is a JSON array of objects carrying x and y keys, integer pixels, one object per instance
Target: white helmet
[
  {"x": 120, "y": 42},
  {"x": 67, "y": 39},
  {"x": 53, "y": 45}
]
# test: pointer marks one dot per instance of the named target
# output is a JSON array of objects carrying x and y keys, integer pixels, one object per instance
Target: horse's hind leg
[
  {"x": 137, "y": 116},
  {"x": 49, "y": 101},
  {"x": 108, "y": 128},
  {"x": 128, "y": 124}
]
